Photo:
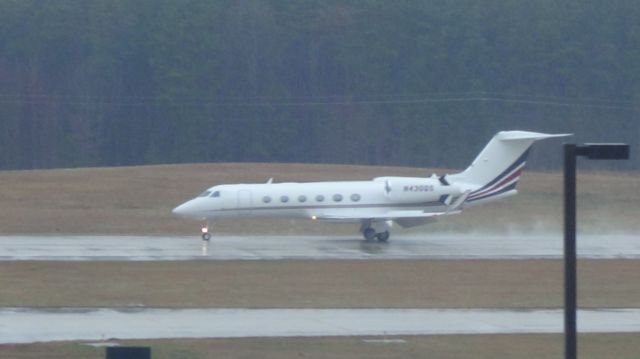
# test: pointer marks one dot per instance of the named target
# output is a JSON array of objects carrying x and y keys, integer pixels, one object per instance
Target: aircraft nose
[{"x": 182, "y": 210}]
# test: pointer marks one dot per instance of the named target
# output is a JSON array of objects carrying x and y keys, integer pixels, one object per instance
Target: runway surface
[
  {"x": 428, "y": 246},
  {"x": 38, "y": 325}
]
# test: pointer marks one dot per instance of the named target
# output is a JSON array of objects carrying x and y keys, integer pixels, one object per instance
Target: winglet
[{"x": 526, "y": 135}]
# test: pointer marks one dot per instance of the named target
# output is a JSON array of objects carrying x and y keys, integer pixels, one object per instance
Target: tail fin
[{"x": 498, "y": 167}]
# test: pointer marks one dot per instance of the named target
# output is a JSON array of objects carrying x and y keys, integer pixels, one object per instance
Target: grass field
[
  {"x": 138, "y": 200},
  {"x": 316, "y": 284},
  {"x": 590, "y": 346}
]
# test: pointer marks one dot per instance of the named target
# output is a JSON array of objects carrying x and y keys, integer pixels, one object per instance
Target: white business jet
[{"x": 375, "y": 205}]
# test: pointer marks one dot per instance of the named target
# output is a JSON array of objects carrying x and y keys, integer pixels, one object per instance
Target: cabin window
[
  {"x": 215, "y": 194},
  {"x": 284, "y": 199},
  {"x": 266, "y": 199},
  {"x": 337, "y": 197},
  {"x": 302, "y": 198},
  {"x": 355, "y": 197},
  {"x": 319, "y": 198},
  {"x": 204, "y": 194}
]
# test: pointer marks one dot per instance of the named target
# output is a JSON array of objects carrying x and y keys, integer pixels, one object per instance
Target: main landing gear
[{"x": 376, "y": 230}]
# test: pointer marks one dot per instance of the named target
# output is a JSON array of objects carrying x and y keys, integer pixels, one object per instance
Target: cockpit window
[
  {"x": 204, "y": 194},
  {"x": 215, "y": 194}
]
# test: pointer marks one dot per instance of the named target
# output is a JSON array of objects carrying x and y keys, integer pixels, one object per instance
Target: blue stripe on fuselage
[
  {"x": 509, "y": 169},
  {"x": 506, "y": 189}
]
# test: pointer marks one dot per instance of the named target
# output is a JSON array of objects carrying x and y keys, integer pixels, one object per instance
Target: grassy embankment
[{"x": 138, "y": 200}]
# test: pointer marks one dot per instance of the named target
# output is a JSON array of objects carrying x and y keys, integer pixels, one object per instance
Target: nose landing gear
[{"x": 206, "y": 236}]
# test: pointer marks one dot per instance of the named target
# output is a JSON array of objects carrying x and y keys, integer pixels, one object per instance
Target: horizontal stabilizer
[{"x": 458, "y": 203}]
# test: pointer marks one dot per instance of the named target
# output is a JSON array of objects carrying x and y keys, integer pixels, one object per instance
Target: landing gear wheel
[
  {"x": 206, "y": 236},
  {"x": 369, "y": 234},
  {"x": 383, "y": 236}
]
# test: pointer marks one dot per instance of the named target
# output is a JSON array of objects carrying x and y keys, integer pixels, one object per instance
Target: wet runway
[
  {"x": 428, "y": 246},
  {"x": 38, "y": 325}
]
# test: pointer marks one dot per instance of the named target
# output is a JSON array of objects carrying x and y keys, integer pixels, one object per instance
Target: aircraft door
[{"x": 244, "y": 201}]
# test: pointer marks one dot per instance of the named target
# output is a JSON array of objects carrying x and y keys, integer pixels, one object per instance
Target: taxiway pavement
[
  {"x": 25, "y": 325},
  {"x": 428, "y": 246}
]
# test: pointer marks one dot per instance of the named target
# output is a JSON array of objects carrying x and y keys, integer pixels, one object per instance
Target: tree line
[{"x": 418, "y": 83}]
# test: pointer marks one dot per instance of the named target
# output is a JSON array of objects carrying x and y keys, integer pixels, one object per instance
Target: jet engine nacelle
[{"x": 412, "y": 189}]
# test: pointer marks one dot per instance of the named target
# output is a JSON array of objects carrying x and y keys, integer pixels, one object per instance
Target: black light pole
[
  {"x": 594, "y": 151},
  {"x": 570, "y": 283}
]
